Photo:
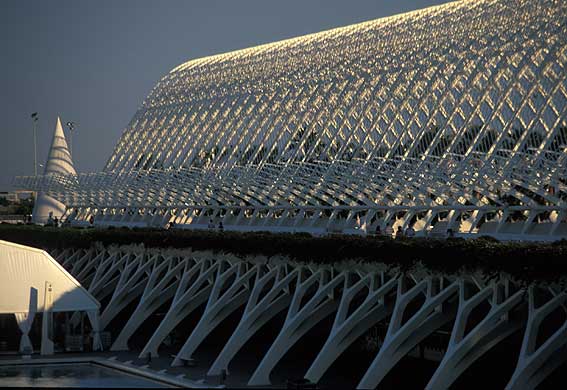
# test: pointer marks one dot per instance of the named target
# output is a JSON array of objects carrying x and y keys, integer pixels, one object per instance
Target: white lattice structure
[
  {"x": 414, "y": 304},
  {"x": 451, "y": 117}
]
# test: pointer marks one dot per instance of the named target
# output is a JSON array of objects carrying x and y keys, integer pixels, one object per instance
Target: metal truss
[
  {"x": 415, "y": 117},
  {"x": 414, "y": 305}
]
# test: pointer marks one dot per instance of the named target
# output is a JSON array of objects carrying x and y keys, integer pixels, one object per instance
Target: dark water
[{"x": 70, "y": 375}]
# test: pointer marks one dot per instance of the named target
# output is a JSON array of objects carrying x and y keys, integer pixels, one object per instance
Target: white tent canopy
[
  {"x": 23, "y": 268},
  {"x": 32, "y": 281}
]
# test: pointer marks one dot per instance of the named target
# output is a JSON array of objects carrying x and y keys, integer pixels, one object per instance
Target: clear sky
[{"x": 93, "y": 62}]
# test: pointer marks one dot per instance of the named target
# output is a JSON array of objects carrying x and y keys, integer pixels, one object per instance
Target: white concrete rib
[{"x": 310, "y": 293}]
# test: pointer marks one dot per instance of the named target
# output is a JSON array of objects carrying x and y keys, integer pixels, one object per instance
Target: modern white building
[
  {"x": 59, "y": 162},
  {"x": 447, "y": 118}
]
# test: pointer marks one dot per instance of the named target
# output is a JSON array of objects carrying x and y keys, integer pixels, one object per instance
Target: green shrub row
[{"x": 524, "y": 260}]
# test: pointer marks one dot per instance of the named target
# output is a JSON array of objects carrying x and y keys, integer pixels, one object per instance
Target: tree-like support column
[
  {"x": 89, "y": 272},
  {"x": 415, "y": 304},
  {"x": 464, "y": 349},
  {"x": 535, "y": 362},
  {"x": 219, "y": 306},
  {"x": 300, "y": 319},
  {"x": 64, "y": 257},
  {"x": 158, "y": 290},
  {"x": 82, "y": 269},
  {"x": 131, "y": 284},
  {"x": 105, "y": 278},
  {"x": 257, "y": 312},
  {"x": 107, "y": 275},
  {"x": 70, "y": 261},
  {"x": 402, "y": 338},
  {"x": 193, "y": 291},
  {"x": 347, "y": 328}
]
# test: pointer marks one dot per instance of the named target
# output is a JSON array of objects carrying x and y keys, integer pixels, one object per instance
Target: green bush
[{"x": 526, "y": 261}]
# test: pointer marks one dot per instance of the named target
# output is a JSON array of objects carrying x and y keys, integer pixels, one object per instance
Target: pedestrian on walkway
[
  {"x": 399, "y": 233},
  {"x": 450, "y": 233},
  {"x": 378, "y": 231}
]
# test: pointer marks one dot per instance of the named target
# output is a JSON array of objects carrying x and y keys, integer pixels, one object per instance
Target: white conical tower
[{"x": 59, "y": 161}]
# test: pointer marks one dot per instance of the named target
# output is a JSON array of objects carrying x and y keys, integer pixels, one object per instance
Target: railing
[{"x": 13, "y": 218}]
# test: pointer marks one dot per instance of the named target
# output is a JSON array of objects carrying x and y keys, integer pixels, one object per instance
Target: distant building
[
  {"x": 11, "y": 197},
  {"x": 24, "y": 194},
  {"x": 447, "y": 118}
]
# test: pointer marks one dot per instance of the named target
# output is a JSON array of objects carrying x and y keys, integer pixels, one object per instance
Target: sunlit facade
[{"x": 447, "y": 118}]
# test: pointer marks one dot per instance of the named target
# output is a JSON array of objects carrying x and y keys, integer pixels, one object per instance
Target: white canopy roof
[{"x": 23, "y": 268}]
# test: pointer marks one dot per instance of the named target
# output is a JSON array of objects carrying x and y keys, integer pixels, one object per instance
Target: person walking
[
  {"x": 399, "y": 232},
  {"x": 378, "y": 231},
  {"x": 50, "y": 219}
]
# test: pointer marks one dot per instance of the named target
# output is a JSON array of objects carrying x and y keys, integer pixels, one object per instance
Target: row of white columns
[{"x": 310, "y": 293}]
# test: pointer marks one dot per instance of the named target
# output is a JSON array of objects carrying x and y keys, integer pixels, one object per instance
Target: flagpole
[
  {"x": 71, "y": 126},
  {"x": 35, "y": 119}
]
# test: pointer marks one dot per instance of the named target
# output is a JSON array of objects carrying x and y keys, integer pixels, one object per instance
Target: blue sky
[{"x": 93, "y": 62}]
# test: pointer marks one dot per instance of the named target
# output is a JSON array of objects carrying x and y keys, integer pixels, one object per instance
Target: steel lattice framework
[{"x": 452, "y": 116}]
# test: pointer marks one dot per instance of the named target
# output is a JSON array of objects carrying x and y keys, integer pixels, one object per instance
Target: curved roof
[
  {"x": 462, "y": 104},
  {"x": 373, "y": 85}
]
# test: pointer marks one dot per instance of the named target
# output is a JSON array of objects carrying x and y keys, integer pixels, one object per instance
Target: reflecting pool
[{"x": 82, "y": 375}]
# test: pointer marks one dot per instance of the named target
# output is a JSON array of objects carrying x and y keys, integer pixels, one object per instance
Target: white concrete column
[
  {"x": 78, "y": 265},
  {"x": 158, "y": 290},
  {"x": 225, "y": 298},
  {"x": 257, "y": 313},
  {"x": 193, "y": 291},
  {"x": 464, "y": 349},
  {"x": 402, "y": 338},
  {"x": 107, "y": 275},
  {"x": 346, "y": 329},
  {"x": 130, "y": 286},
  {"x": 536, "y": 362},
  {"x": 87, "y": 272},
  {"x": 300, "y": 319},
  {"x": 70, "y": 259}
]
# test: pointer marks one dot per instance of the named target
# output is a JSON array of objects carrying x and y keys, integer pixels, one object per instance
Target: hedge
[{"x": 523, "y": 260}]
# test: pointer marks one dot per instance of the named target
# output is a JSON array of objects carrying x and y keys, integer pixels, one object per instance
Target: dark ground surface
[{"x": 491, "y": 372}]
